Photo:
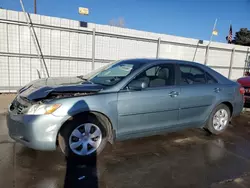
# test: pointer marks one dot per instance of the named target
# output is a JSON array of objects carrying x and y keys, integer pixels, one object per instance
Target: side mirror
[{"x": 137, "y": 85}]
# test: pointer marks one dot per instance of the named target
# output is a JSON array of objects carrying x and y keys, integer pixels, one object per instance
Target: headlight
[{"x": 40, "y": 109}]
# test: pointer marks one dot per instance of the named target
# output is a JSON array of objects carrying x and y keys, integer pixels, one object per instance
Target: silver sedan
[{"x": 123, "y": 100}]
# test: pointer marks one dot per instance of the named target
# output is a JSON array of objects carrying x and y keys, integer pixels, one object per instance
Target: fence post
[
  {"x": 8, "y": 58},
  {"x": 19, "y": 51},
  {"x": 246, "y": 63},
  {"x": 231, "y": 63},
  {"x": 158, "y": 48},
  {"x": 206, "y": 55},
  {"x": 93, "y": 49}
]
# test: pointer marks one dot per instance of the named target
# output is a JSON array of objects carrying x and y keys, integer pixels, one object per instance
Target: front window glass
[
  {"x": 114, "y": 73},
  {"x": 158, "y": 76}
]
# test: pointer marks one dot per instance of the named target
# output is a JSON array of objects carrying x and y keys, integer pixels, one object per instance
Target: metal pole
[
  {"x": 231, "y": 63},
  {"x": 207, "y": 51},
  {"x": 19, "y": 50},
  {"x": 246, "y": 63},
  {"x": 196, "y": 49},
  {"x": 8, "y": 59},
  {"x": 35, "y": 6},
  {"x": 158, "y": 48},
  {"x": 35, "y": 40},
  {"x": 93, "y": 49}
]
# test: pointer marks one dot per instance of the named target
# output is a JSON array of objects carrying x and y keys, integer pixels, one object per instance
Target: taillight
[{"x": 242, "y": 90}]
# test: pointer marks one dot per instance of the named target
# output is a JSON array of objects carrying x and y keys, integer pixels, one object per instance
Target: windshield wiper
[{"x": 85, "y": 79}]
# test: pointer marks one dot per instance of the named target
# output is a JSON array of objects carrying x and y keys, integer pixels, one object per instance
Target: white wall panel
[
  {"x": 170, "y": 51},
  {"x": 187, "y": 53},
  {"x": 4, "y": 73},
  {"x": 83, "y": 67},
  {"x": 25, "y": 71},
  {"x": 46, "y": 41},
  {"x": 65, "y": 43},
  {"x": 239, "y": 59},
  {"x": 35, "y": 18},
  {"x": 236, "y": 73},
  {"x": 35, "y": 65},
  {"x": 98, "y": 46},
  {"x": 12, "y": 15},
  {"x": 112, "y": 48},
  {"x": 65, "y": 23},
  {"x": 223, "y": 71},
  {"x": 73, "y": 44},
  {"x": 219, "y": 58},
  {"x": 14, "y": 64},
  {"x": 3, "y": 14},
  {"x": 64, "y": 67},
  {"x": 13, "y": 38},
  {"x": 98, "y": 65},
  {"x": 82, "y": 46},
  {"x": 24, "y": 39},
  {"x": 56, "y": 44},
  {"x": 89, "y": 46},
  {"x": 55, "y": 68},
  {"x": 3, "y": 38},
  {"x": 200, "y": 55},
  {"x": 73, "y": 24},
  {"x": 45, "y": 20},
  {"x": 73, "y": 68},
  {"x": 55, "y": 21}
]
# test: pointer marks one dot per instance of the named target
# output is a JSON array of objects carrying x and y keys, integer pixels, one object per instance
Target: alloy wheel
[
  {"x": 220, "y": 119},
  {"x": 85, "y": 139}
]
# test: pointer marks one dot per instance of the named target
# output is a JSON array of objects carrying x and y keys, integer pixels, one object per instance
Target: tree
[
  {"x": 242, "y": 37},
  {"x": 120, "y": 22}
]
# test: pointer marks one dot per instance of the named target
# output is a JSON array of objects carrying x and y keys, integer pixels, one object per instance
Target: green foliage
[{"x": 242, "y": 37}]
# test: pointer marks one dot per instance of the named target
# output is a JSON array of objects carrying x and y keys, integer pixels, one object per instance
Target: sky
[{"x": 186, "y": 18}]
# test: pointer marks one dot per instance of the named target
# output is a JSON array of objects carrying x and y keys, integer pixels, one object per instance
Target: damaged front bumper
[{"x": 34, "y": 131}]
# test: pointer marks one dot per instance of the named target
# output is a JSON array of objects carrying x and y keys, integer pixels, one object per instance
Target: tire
[
  {"x": 218, "y": 128},
  {"x": 81, "y": 123}
]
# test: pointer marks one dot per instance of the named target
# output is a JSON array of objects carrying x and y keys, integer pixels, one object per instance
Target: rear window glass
[{"x": 192, "y": 75}]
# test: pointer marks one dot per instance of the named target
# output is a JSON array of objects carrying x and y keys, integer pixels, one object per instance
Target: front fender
[{"x": 105, "y": 104}]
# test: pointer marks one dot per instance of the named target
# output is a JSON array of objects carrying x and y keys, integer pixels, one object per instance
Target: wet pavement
[{"x": 190, "y": 158}]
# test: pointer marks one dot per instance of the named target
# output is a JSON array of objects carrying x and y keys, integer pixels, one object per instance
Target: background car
[
  {"x": 126, "y": 99},
  {"x": 245, "y": 83}
]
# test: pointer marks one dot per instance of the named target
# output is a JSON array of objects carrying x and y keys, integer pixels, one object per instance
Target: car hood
[
  {"x": 244, "y": 81},
  {"x": 41, "y": 88}
]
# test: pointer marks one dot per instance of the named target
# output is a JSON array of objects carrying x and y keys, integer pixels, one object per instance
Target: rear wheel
[
  {"x": 219, "y": 119},
  {"x": 82, "y": 138}
]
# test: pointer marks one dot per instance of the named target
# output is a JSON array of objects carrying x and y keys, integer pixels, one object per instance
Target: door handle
[
  {"x": 173, "y": 94},
  {"x": 217, "y": 90}
]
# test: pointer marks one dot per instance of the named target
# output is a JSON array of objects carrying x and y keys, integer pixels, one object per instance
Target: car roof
[
  {"x": 218, "y": 76},
  {"x": 154, "y": 60}
]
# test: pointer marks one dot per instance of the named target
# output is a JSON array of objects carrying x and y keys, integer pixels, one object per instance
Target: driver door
[{"x": 150, "y": 110}]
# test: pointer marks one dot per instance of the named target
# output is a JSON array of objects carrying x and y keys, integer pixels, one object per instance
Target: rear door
[{"x": 198, "y": 92}]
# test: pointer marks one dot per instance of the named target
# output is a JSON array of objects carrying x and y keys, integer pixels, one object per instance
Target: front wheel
[
  {"x": 219, "y": 119},
  {"x": 82, "y": 138}
]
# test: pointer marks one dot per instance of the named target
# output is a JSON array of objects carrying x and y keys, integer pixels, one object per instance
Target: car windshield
[{"x": 112, "y": 73}]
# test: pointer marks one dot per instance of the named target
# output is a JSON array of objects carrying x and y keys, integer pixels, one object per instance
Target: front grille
[{"x": 18, "y": 106}]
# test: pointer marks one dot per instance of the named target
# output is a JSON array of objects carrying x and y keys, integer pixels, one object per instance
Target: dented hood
[{"x": 41, "y": 88}]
